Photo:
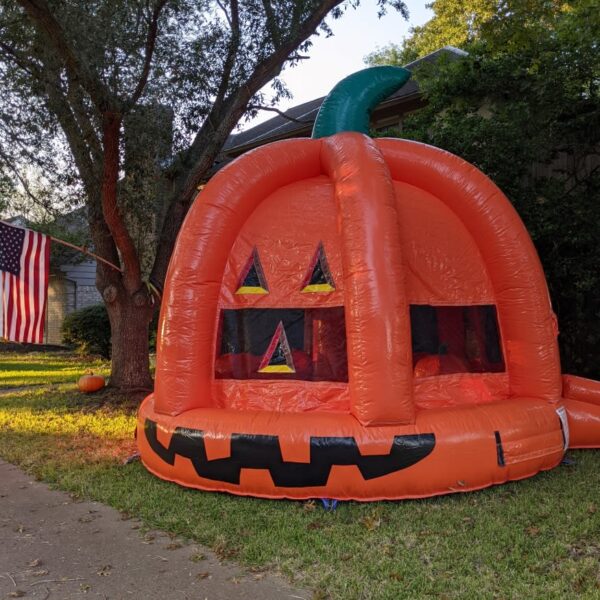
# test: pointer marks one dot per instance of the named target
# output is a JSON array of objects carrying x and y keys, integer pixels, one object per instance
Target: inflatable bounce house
[{"x": 357, "y": 318}]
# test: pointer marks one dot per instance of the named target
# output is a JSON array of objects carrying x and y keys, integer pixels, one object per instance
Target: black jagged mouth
[{"x": 251, "y": 451}]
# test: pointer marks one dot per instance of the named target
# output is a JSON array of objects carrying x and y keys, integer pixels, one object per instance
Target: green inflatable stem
[{"x": 348, "y": 106}]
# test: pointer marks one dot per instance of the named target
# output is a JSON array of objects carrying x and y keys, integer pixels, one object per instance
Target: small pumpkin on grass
[{"x": 90, "y": 383}]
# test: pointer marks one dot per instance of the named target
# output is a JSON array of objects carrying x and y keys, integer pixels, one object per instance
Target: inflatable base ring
[{"x": 337, "y": 458}]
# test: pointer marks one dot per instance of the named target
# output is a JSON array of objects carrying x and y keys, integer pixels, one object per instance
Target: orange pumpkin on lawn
[
  {"x": 310, "y": 278},
  {"x": 90, "y": 383}
]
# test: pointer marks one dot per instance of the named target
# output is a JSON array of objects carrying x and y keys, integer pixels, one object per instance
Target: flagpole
[
  {"x": 78, "y": 248},
  {"x": 85, "y": 251}
]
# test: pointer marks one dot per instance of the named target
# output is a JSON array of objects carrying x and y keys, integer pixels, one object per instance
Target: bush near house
[{"x": 88, "y": 330}]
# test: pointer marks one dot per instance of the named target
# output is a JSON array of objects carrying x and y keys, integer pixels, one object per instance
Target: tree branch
[
  {"x": 148, "y": 52},
  {"x": 61, "y": 108},
  {"x": 272, "y": 23},
  {"x": 222, "y": 7},
  {"x": 9, "y": 163},
  {"x": 103, "y": 241},
  {"x": 209, "y": 140},
  {"x": 84, "y": 121},
  {"x": 111, "y": 127},
  {"x": 234, "y": 44},
  {"x": 279, "y": 112},
  {"x": 41, "y": 15},
  {"x": 20, "y": 60}
]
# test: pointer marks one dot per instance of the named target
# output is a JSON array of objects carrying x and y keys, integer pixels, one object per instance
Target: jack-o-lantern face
[
  {"x": 282, "y": 302},
  {"x": 281, "y": 312}
]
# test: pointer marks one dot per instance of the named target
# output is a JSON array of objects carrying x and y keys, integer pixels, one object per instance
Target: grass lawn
[
  {"x": 38, "y": 368},
  {"x": 538, "y": 538}
]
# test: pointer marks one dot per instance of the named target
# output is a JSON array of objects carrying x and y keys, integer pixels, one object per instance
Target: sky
[{"x": 357, "y": 33}]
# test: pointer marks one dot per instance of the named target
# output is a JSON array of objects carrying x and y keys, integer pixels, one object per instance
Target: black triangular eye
[
  {"x": 318, "y": 277},
  {"x": 253, "y": 279},
  {"x": 278, "y": 357}
]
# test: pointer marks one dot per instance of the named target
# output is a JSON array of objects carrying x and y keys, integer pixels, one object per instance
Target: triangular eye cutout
[
  {"x": 253, "y": 279},
  {"x": 278, "y": 357},
  {"x": 318, "y": 278}
]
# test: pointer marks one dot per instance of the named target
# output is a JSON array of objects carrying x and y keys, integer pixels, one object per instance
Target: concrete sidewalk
[{"x": 55, "y": 548}]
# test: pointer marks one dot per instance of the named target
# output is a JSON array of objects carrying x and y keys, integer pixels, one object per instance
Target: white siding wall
[
  {"x": 84, "y": 276},
  {"x": 72, "y": 287}
]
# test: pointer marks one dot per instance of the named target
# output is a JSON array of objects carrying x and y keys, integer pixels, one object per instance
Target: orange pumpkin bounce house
[{"x": 357, "y": 318}]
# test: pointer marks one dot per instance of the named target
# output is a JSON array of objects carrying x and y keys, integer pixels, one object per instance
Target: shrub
[{"x": 88, "y": 330}]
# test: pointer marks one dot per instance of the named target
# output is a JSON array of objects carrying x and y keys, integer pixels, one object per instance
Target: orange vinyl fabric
[
  {"x": 285, "y": 255},
  {"x": 582, "y": 389},
  {"x": 582, "y": 401},
  {"x": 459, "y": 389},
  {"x": 465, "y": 456},
  {"x": 584, "y": 423},
  {"x": 188, "y": 319},
  {"x": 375, "y": 296},
  {"x": 517, "y": 278},
  {"x": 396, "y": 225},
  {"x": 442, "y": 262}
]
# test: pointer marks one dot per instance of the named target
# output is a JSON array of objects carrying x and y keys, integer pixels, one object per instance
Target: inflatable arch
[{"x": 354, "y": 318}]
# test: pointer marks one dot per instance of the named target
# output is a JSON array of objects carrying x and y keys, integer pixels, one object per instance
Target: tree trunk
[
  {"x": 129, "y": 319},
  {"x": 127, "y": 301}
]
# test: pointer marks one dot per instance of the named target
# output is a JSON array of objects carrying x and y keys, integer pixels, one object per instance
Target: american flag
[{"x": 24, "y": 263}]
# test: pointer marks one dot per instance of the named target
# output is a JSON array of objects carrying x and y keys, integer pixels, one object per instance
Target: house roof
[{"x": 299, "y": 119}]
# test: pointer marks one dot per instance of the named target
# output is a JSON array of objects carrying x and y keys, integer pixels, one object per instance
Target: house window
[
  {"x": 455, "y": 339},
  {"x": 282, "y": 343}
]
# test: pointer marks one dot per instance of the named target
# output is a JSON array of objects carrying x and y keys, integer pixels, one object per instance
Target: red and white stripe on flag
[{"x": 23, "y": 294}]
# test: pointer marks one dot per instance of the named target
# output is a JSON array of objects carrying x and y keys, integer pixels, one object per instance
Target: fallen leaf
[
  {"x": 174, "y": 546},
  {"x": 204, "y": 575},
  {"x": 198, "y": 557},
  {"x": 104, "y": 571},
  {"x": 372, "y": 523},
  {"x": 86, "y": 519}
]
